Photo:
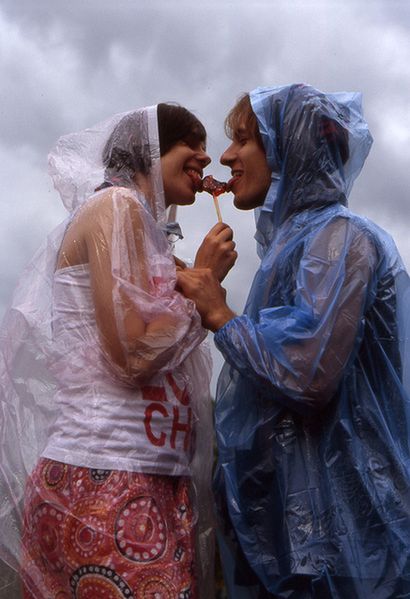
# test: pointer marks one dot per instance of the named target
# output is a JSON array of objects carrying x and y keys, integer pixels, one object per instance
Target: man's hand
[
  {"x": 217, "y": 251},
  {"x": 202, "y": 286},
  {"x": 179, "y": 264}
]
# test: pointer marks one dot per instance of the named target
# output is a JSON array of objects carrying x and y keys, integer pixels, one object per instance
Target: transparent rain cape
[
  {"x": 102, "y": 362},
  {"x": 312, "y": 409}
]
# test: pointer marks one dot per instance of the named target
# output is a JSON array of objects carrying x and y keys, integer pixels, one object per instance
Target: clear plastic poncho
[
  {"x": 312, "y": 409},
  {"x": 102, "y": 362}
]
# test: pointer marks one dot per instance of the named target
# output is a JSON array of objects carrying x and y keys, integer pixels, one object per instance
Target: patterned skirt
[{"x": 106, "y": 534}]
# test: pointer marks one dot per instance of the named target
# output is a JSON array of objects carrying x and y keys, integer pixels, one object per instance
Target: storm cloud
[{"x": 67, "y": 65}]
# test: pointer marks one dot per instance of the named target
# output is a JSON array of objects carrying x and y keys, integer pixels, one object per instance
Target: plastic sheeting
[
  {"x": 313, "y": 409},
  {"x": 102, "y": 362}
]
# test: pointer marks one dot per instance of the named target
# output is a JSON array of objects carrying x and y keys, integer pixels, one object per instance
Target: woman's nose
[{"x": 204, "y": 158}]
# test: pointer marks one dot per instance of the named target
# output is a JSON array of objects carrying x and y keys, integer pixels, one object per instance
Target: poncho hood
[
  {"x": 110, "y": 153},
  {"x": 316, "y": 144}
]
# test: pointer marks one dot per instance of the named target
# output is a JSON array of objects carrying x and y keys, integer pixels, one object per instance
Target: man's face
[{"x": 251, "y": 176}]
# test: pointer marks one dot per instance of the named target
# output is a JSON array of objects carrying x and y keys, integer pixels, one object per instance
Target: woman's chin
[
  {"x": 180, "y": 201},
  {"x": 187, "y": 201}
]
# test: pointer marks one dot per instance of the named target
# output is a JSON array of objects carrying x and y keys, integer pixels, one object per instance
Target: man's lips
[{"x": 233, "y": 180}]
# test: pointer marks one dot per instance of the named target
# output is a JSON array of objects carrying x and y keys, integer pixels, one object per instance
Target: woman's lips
[{"x": 195, "y": 178}]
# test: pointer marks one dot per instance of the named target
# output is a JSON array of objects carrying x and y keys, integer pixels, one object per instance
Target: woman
[{"x": 106, "y": 376}]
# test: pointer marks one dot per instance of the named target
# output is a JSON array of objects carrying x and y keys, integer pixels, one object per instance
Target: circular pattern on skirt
[
  {"x": 85, "y": 530},
  {"x": 157, "y": 585},
  {"x": 57, "y": 590},
  {"x": 46, "y": 524},
  {"x": 54, "y": 474},
  {"x": 89, "y": 582},
  {"x": 140, "y": 530}
]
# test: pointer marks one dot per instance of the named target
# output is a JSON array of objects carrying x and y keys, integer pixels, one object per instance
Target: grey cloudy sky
[{"x": 67, "y": 65}]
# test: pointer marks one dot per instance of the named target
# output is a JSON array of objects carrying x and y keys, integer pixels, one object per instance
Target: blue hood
[{"x": 315, "y": 144}]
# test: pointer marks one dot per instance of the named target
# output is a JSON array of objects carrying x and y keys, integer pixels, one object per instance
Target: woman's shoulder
[
  {"x": 110, "y": 196},
  {"x": 104, "y": 204}
]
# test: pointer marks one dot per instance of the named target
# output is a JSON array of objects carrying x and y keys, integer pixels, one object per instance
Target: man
[{"x": 312, "y": 409}]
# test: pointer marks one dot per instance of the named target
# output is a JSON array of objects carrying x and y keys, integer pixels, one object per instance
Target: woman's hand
[
  {"x": 217, "y": 251},
  {"x": 202, "y": 286}
]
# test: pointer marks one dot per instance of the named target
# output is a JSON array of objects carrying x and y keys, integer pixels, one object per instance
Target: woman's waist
[{"x": 113, "y": 417}]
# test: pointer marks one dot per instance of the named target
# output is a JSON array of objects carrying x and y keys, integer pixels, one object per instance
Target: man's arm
[{"x": 301, "y": 349}]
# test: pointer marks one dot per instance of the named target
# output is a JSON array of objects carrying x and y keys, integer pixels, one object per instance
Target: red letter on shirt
[
  {"x": 181, "y": 426},
  {"x": 154, "y": 407},
  {"x": 181, "y": 394},
  {"x": 153, "y": 393}
]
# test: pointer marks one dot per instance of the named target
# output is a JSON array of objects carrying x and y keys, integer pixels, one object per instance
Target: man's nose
[{"x": 228, "y": 156}]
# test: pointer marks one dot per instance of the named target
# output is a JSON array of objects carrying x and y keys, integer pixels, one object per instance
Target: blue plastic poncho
[{"x": 312, "y": 410}]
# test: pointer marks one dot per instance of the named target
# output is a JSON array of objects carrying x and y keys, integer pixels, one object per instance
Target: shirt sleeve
[{"x": 302, "y": 349}]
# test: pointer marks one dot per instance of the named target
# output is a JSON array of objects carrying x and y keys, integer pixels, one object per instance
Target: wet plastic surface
[{"x": 313, "y": 409}]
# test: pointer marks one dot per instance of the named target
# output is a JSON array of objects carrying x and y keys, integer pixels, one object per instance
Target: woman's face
[{"x": 182, "y": 170}]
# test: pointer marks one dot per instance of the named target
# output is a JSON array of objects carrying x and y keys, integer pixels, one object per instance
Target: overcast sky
[{"x": 65, "y": 65}]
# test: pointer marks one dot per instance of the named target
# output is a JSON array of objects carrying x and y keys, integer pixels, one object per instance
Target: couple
[{"x": 105, "y": 405}]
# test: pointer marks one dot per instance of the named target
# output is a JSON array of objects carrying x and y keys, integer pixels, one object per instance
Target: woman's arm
[
  {"x": 145, "y": 326},
  {"x": 217, "y": 251}
]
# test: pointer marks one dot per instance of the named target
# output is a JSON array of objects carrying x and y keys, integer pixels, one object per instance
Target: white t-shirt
[{"x": 102, "y": 422}]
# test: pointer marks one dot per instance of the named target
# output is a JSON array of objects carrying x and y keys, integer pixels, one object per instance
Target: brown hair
[
  {"x": 242, "y": 115},
  {"x": 176, "y": 123}
]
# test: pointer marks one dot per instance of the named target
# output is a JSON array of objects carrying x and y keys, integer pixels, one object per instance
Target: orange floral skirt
[{"x": 106, "y": 534}]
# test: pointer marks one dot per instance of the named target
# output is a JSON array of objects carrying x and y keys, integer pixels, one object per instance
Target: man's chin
[
  {"x": 248, "y": 202},
  {"x": 241, "y": 203}
]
